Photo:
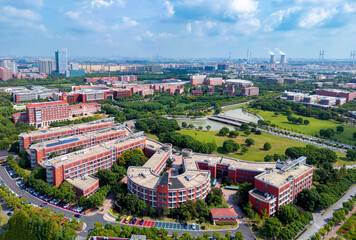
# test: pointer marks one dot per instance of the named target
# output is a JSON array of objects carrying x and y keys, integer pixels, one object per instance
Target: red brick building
[
  {"x": 337, "y": 93},
  {"x": 28, "y": 138},
  {"x": 89, "y": 160},
  {"x": 250, "y": 91},
  {"x": 45, "y": 150},
  {"x": 84, "y": 186},
  {"x": 5, "y": 73},
  {"x": 43, "y": 114},
  {"x": 278, "y": 187},
  {"x": 223, "y": 215}
]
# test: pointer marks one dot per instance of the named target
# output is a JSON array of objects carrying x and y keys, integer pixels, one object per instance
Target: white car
[{"x": 193, "y": 226}]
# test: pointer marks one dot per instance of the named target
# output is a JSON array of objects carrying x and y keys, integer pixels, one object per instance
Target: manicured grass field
[
  {"x": 311, "y": 129},
  {"x": 255, "y": 153}
]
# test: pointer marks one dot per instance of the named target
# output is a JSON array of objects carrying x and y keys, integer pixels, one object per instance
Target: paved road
[
  {"x": 90, "y": 220},
  {"x": 321, "y": 220}
]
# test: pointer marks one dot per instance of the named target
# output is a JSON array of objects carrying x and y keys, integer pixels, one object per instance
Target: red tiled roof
[
  {"x": 18, "y": 114},
  {"x": 223, "y": 212},
  {"x": 44, "y": 104}
]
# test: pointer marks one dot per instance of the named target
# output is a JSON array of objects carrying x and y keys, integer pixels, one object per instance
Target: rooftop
[
  {"x": 223, "y": 212},
  {"x": 45, "y": 104},
  {"x": 85, "y": 153},
  {"x": 80, "y": 137},
  {"x": 278, "y": 177},
  {"x": 231, "y": 162},
  {"x": 66, "y": 128},
  {"x": 83, "y": 183}
]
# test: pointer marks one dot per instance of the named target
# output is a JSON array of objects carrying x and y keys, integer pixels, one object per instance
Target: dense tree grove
[
  {"x": 230, "y": 146},
  {"x": 332, "y": 184},
  {"x": 315, "y": 155},
  {"x": 157, "y": 125},
  {"x": 287, "y": 107},
  {"x": 134, "y": 157},
  {"x": 287, "y": 224}
]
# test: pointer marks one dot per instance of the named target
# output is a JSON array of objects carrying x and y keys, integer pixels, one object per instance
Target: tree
[
  {"x": 267, "y": 146},
  {"x": 306, "y": 122},
  {"x": 340, "y": 129},
  {"x": 247, "y": 132},
  {"x": 351, "y": 154},
  {"x": 249, "y": 142},
  {"x": 354, "y": 135},
  {"x": 234, "y": 133},
  {"x": 208, "y": 127},
  {"x": 239, "y": 236},
  {"x": 175, "y": 235},
  {"x": 244, "y": 150},
  {"x": 184, "y": 124},
  {"x": 287, "y": 214},
  {"x": 244, "y": 126},
  {"x": 300, "y": 120},
  {"x": 268, "y": 158},
  {"x": 223, "y": 131},
  {"x": 258, "y": 132},
  {"x": 191, "y": 126},
  {"x": 216, "y": 235},
  {"x": 230, "y": 146},
  {"x": 273, "y": 227},
  {"x": 200, "y": 127}
]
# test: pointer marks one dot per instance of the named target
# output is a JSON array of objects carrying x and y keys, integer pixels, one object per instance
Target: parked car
[
  {"x": 193, "y": 226},
  {"x": 142, "y": 221},
  {"x": 77, "y": 215},
  {"x": 9, "y": 214},
  {"x": 43, "y": 204},
  {"x": 128, "y": 219}
]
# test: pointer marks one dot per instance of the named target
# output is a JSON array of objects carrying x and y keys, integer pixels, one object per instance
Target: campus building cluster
[
  {"x": 314, "y": 100},
  {"x": 111, "y": 80},
  {"x": 43, "y": 114},
  {"x": 74, "y": 153},
  {"x": 37, "y": 92}
]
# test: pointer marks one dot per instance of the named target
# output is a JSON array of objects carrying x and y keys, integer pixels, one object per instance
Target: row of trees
[
  {"x": 29, "y": 222},
  {"x": 288, "y": 108},
  {"x": 76, "y": 121},
  {"x": 154, "y": 233},
  {"x": 157, "y": 125},
  {"x": 315, "y": 155},
  {"x": 299, "y": 120},
  {"x": 186, "y": 141},
  {"x": 332, "y": 184},
  {"x": 338, "y": 216}
]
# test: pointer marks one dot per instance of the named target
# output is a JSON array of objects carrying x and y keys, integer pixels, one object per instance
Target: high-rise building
[
  {"x": 5, "y": 73},
  {"x": 61, "y": 61},
  {"x": 46, "y": 66},
  {"x": 9, "y": 64}
]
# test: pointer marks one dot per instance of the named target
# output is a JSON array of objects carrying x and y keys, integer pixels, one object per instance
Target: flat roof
[
  {"x": 66, "y": 128},
  {"x": 231, "y": 162},
  {"x": 79, "y": 137},
  {"x": 278, "y": 177},
  {"x": 85, "y": 153},
  {"x": 83, "y": 183}
]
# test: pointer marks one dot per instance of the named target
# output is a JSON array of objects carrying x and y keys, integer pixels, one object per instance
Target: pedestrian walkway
[
  {"x": 336, "y": 228},
  {"x": 107, "y": 204}
]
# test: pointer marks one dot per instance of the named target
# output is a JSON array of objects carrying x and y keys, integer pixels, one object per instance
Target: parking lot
[
  {"x": 137, "y": 223},
  {"x": 177, "y": 226}
]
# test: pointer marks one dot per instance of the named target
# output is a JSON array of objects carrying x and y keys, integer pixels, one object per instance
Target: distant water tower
[
  {"x": 283, "y": 59},
  {"x": 272, "y": 60}
]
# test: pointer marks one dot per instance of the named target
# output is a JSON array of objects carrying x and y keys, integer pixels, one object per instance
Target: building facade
[
  {"x": 28, "y": 138},
  {"x": 5, "y": 73},
  {"x": 61, "y": 61}
]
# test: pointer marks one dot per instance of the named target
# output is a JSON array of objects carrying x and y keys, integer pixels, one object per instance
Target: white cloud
[
  {"x": 165, "y": 35},
  {"x": 247, "y": 26},
  {"x": 189, "y": 27},
  {"x": 169, "y": 8},
  {"x": 148, "y": 34},
  {"x": 138, "y": 38},
  {"x": 243, "y": 6},
  {"x": 350, "y": 8},
  {"x": 276, "y": 18},
  {"x": 106, "y": 3},
  {"x": 13, "y": 12},
  {"x": 316, "y": 17},
  {"x": 128, "y": 22}
]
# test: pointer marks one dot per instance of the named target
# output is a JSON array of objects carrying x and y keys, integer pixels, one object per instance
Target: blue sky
[{"x": 178, "y": 28}]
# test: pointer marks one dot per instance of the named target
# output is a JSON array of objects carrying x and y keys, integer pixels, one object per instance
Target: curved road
[{"x": 90, "y": 220}]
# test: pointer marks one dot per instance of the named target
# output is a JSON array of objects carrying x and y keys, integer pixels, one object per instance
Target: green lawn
[
  {"x": 255, "y": 153},
  {"x": 313, "y": 128}
]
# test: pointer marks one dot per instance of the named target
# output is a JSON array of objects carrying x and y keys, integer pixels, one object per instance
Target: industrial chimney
[
  {"x": 272, "y": 59},
  {"x": 283, "y": 59}
]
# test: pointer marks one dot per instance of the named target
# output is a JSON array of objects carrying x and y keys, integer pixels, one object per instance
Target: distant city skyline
[{"x": 178, "y": 28}]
